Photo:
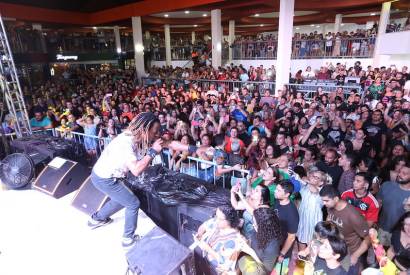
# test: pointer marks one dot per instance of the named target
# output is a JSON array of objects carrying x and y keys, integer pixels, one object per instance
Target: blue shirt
[{"x": 42, "y": 123}]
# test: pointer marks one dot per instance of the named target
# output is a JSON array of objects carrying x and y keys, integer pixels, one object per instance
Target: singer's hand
[{"x": 157, "y": 146}]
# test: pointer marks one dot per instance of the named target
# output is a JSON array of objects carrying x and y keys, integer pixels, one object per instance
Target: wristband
[
  {"x": 192, "y": 149},
  {"x": 152, "y": 153}
]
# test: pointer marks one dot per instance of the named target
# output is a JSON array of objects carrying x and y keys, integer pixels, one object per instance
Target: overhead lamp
[
  {"x": 186, "y": 12},
  {"x": 256, "y": 14},
  {"x": 195, "y": 26},
  {"x": 166, "y": 15},
  {"x": 342, "y": 24},
  {"x": 261, "y": 25},
  {"x": 372, "y": 14},
  {"x": 297, "y": 28},
  {"x": 312, "y": 25},
  {"x": 94, "y": 28},
  {"x": 204, "y": 15}
]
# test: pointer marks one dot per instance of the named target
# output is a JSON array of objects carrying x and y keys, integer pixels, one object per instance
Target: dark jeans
[{"x": 120, "y": 196}]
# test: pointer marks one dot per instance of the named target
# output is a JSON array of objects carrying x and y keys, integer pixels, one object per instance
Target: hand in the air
[{"x": 157, "y": 146}]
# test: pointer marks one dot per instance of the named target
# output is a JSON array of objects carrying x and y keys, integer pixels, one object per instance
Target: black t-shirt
[
  {"x": 234, "y": 159},
  {"x": 375, "y": 132},
  {"x": 245, "y": 138},
  {"x": 402, "y": 254},
  {"x": 277, "y": 151},
  {"x": 322, "y": 268},
  {"x": 335, "y": 172},
  {"x": 289, "y": 219}
]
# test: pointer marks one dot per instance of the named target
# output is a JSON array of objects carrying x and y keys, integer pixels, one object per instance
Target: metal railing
[
  {"x": 207, "y": 171},
  {"x": 229, "y": 85},
  {"x": 309, "y": 91},
  {"x": 306, "y": 48}
]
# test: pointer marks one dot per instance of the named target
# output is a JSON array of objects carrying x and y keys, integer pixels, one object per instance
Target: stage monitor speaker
[
  {"x": 61, "y": 177},
  {"x": 88, "y": 198},
  {"x": 157, "y": 253}
]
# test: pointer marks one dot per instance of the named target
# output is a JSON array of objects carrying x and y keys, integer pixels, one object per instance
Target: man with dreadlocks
[{"x": 129, "y": 151}]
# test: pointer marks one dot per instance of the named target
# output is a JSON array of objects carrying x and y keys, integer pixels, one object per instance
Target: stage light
[
  {"x": 204, "y": 15},
  {"x": 186, "y": 12},
  {"x": 372, "y": 14},
  {"x": 166, "y": 15},
  {"x": 257, "y": 15}
]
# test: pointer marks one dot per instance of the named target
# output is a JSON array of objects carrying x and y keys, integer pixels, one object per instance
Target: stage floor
[{"x": 41, "y": 235}]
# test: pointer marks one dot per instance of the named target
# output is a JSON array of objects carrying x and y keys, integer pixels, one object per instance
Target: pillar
[
  {"x": 193, "y": 38},
  {"x": 216, "y": 33},
  {"x": 138, "y": 47},
  {"x": 231, "y": 38},
  {"x": 383, "y": 21},
  {"x": 117, "y": 39},
  {"x": 338, "y": 22},
  {"x": 167, "y": 32},
  {"x": 284, "y": 43}
]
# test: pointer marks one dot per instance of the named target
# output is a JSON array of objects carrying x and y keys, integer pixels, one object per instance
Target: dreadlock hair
[
  {"x": 139, "y": 128},
  {"x": 268, "y": 225}
]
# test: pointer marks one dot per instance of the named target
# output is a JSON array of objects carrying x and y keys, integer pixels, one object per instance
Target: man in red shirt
[{"x": 362, "y": 199}]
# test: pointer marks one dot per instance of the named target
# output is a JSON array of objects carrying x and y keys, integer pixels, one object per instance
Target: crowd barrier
[
  {"x": 199, "y": 168},
  {"x": 308, "y": 89}
]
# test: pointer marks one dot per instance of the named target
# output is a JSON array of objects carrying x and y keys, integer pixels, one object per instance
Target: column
[
  {"x": 216, "y": 33},
  {"x": 284, "y": 43},
  {"x": 117, "y": 39},
  {"x": 138, "y": 47},
  {"x": 193, "y": 38},
  {"x": 383, "y": 21},
  {"x": 338, "y": 22},
  {"x": 231, "y": 38},
  {"x": 167, "y": 45}
]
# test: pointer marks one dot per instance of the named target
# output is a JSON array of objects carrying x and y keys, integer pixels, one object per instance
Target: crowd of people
[
  {"x": 310, "y": 180},
  {"x": 309, "y": 45}
]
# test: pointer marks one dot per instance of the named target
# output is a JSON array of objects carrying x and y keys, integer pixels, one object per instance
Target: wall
[
  {"x": 394, "y": 43},
  {"x": 175, "y": 63}
]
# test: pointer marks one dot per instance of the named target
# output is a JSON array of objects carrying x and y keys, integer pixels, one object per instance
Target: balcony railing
[{"x": 302, "y": 49}]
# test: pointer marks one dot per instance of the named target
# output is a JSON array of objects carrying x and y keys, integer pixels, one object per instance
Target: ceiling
[{"x": 182, "y": 15}]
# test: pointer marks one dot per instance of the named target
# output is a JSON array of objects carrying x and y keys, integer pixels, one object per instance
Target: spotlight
[
  {"x": 312, "y": 25},
  {"x": 297, "y": 28},
  {"x": 166, "y": 15},
  {"x": 186, "y": 12},
  {"x": 257, "y": 15},
  {"x": 204, "y": 15},
  {"x": 261, "y": 25},
  {"x": 195, "y": 26},
  {"x": 372, "y": 14}
]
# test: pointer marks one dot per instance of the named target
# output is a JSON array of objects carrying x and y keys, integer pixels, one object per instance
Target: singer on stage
[{"x": 129, "y": 151}]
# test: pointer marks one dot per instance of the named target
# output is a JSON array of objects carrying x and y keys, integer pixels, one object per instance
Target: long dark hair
[
  {"x": 265, "y": 195},
  {"x": 268, "y": 226}
]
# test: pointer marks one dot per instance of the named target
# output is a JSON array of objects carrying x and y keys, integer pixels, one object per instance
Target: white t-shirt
[{"x": 113, "y": 160}]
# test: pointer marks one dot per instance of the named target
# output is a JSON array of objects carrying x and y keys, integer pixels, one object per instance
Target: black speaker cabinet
[
  {"x": 61, "y": 177},
  {"x": 160, "y": 254},
  {"x": 88, "y": 198}
]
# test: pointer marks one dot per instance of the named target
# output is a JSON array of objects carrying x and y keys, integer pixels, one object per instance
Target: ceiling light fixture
[
  {"x": 204, "y": 15},
  {"x": 261, "y": 25},
  {"x": 297, "y": 28},
  {"x": 312, "y": 25},
  {"x": 195, "y": 26},
  {"x": 186, "y": 12},
  {"x": 257, "y": 15},
  {"x": 372, "y": 14},
  {"x": 342, "y": 24},
  {"x": 166, "y": 15}
]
